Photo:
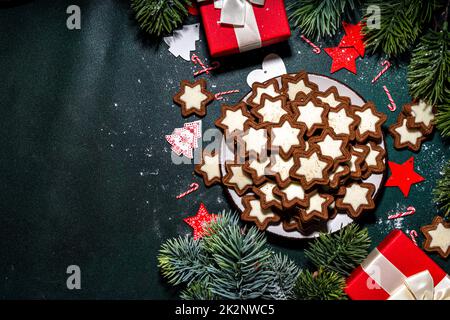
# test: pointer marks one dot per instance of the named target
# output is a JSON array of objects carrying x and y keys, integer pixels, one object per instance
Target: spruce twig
[
  {"x": 320, "y": 285},
  {"x": 442, "y": 191}
]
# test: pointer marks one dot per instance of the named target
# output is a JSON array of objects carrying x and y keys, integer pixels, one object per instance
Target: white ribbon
[
  {"x": 419, "y": 286},
  {"x": 234, "y": 12}
]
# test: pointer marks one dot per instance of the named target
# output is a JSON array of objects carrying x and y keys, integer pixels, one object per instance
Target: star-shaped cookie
[
  {"x": 342, "y": 121},
  {"x": 405, "y": 137},
  {"x": 209, "y": 169},
  {"x": 420, "y": 115},
  {"x": 292, "y": 85},
  {"x": 280, "y": 168},
  {"x": 271, "y": 109},
  {"x": 311, "y": 113},
  {"x": 286, "y": 136},
  {"x": 267, "y": 197},
  {"x": 270, "y": 87},
  {"x": 437, "y": 237},
  {"x": 317, "y": 208},
  {"x": 237, "y": 178},
  {"x": 294, "y": 194},
  {"x": 255, "y": 139},
  {"x": 253, "y": 212},
  {"x": 370, "y": 122},
  {"x": 356, "y": 198},
  {"x": 331, "y": 146},
  {"x": 311, "y": 168},
  {"x": 193, "y": 98},
  {"x": 256, "y": 167},
  {"x": 332, "y": 99},
  {"x": 233, "y": 119}
]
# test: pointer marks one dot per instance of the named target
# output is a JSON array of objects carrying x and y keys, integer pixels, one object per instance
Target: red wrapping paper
[
  {"x": 404, "y": 255},
  {"x": 271, "y": 19}
]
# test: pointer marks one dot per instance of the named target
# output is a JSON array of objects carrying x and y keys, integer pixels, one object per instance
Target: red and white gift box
[
  {"x": 234, "y": 26},
  {"x": 398, "y": 270}
]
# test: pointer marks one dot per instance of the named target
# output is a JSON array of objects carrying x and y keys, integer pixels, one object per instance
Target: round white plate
[{"x": 341, "y": 220}]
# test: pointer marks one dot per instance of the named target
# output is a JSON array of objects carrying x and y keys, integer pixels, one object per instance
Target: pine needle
[
  {"x": 442, "y": 191},
  {"x": 321, "y": 285}
]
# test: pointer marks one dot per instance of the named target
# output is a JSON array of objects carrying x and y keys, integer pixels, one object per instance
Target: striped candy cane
[
  {"x": 316, "y": 49},
  {"x": 192, "y": 187},
  {"x": 409, "y": 211},
  {"x": 386, "y": 65},
  {"x": 413, "y": 234},
  {"x": 205, "y": 69},
  {"x": 392, "y": 106},
  {"x": 219, "y": 95}
]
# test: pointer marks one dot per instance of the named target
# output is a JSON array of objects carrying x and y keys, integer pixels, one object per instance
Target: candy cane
[
  {"x": 392, "y": 106},
  {"x": 386, "y": 65},
  {"x": 219, "y": 95},
  {"x": 196, "y": 60},
  {"x": 316, "y": 49},
  {"x": 192, "y": 187},
  {"x": 413, "y": 234},
  {"x": 409, "y": 211}
]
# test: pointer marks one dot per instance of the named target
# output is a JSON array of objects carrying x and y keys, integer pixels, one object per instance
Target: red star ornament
[
  {"x": 343, "y": 58},
  {"x": 199, "y": 221},
  {"x": 353, "y": 37},
  {"x": 403, "y": 176}
]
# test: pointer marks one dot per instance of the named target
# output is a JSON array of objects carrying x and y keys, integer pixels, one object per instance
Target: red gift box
[
  {"x": 264, "y": 25},
  {"x": 393, "y": 267}
]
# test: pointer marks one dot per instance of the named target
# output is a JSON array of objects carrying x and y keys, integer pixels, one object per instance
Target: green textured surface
[{"x": 85, "y": 173}]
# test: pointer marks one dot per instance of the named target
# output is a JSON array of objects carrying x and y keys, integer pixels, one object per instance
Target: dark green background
[{"x": 86, "y": 176}]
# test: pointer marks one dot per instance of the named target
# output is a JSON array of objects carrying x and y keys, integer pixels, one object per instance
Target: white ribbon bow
[
  {"x": 234, "y": 11},
  {"x": 420, "y": 287}
]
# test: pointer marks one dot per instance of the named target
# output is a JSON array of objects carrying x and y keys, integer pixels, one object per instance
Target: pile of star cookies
[
  {"x": 414, "y": 125},
  {"x": 302, "y": 155}
]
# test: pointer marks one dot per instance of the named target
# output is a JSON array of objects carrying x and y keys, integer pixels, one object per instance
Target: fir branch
[
  {"x": 442, "y": 191},
  {"x": 160, "y": 16},
  {"x": 443, "y": 118},
  {"x": 239, "y": 259},
  {"x": 340, "y": 252},
  {"x": 284, "y": 275},
  {"x": 197, "y": 291},
  {"x": 400, "y": 21},
  {"x": 428, "y": 72},
  {"x": 182, "y": 260},
  {"x": 320, "y": 18},
  {"x": 321, "y": 285}
]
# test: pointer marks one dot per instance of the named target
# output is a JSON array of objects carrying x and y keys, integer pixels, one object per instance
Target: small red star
[
  {"x": 343, "y": 58},
  {"x": 353, "y": 37},
  {"x": 199, "y": 221},
  {"x": 403, "y": 176}
]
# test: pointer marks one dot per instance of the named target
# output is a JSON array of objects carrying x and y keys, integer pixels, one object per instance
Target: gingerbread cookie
[
  {"x": 267, "y": 196},
  {"x": 280, "y": 168},
  {"x": 355, "y": 198},
  {"x": 253, "y": 212},
  {"x": 420, "y": 116},
  {"x": 342, "y": 121},
  {"x": 255, "y": 139},
  {"x": 233, "y": 119},
  {"x": 193, "y": 98},
  {"x": 237, "y": 178},
  {"x": 405, "y": 137},
  {"x": 209, "y": 169},
  {"x": 370, "y": 122},
  {"x": 311, "y": 168},
  {"x": 292, "y": 85},
  {"x": 270, "y": 88},
  {"x": 286, "y": 136},
  {"x": 317, "y": 208},
  {"x": 311, "y": 113},
  {"x": 332, "y": 99},
  {"x": 292, "y": 195},
  {"x": 256, "y": 167},
  {"x": 331, "y": 146},
  {"x": 437, "y": 237},
  {"x": 271, "y": 109}
]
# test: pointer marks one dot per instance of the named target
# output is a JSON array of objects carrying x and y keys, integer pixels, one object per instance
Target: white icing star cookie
[
  {"x": 332, "y": 99},
  {"x": 286, "y": 136},
  {"x": 311, "y": 113},
  {"x": 342, "y": 122},
  {"x": 420, "y": 116},
  {"x": 255, "y": 139},
  {"x": 237, "y": 178},
  {"x": 267, "y": 197},
  {"x": 292, "y": 85},
  {"x": 405, "y": 137},
  {"x": 233, "y": 119},
  {"x": 193, "y": 98},
  {"x": 294, "y": 194},
  {"x": 280, "y": 168},
  {"x": 311, "y": 168},
  {"x": 370, "y": 122},
  {"x": 209, "y": 169},
  {"x": 355, "y": 198},
  {"x": 437, "y": 237},
  {"x": 332, "y": 146},
  {"x": 253, "y": 212},
  {"x": 257, "y": 169},
  {"x": 317, "y": 208},
  {"x": 271, "y": 109},
  {"x": 271, "y": 88}
]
